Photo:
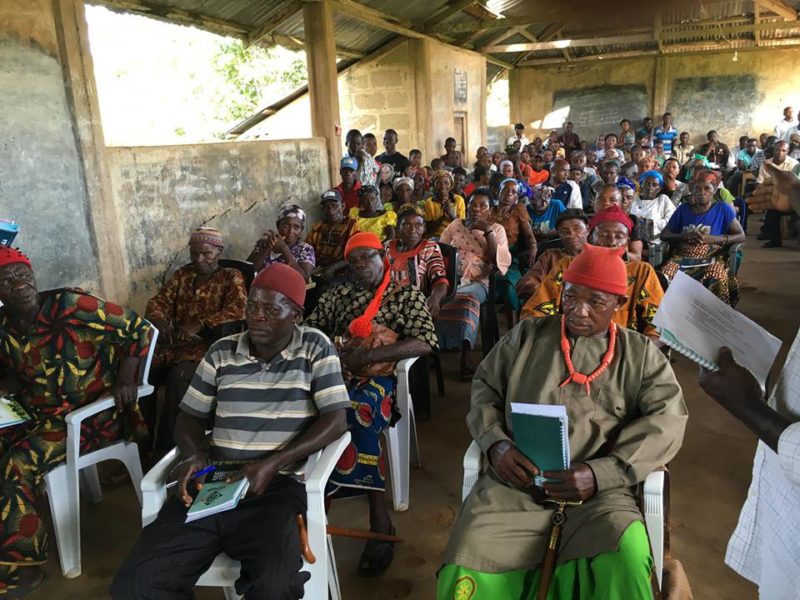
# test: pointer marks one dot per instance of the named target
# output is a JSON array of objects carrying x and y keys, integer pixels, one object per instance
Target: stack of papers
[
  {"x": 11, "y": 413},
  {"x": 217, "y": 497},
  {"x": 694, "y": 322}
]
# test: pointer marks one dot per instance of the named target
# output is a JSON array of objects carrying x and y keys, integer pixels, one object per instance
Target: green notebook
[
  {"x": 541, "y": 432},
  {"x": 217, "y": 497}
]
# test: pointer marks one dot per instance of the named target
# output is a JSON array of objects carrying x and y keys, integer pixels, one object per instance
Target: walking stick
[
  {"x": 558, "y": 519},
  {"x": 362, "y": 534}
]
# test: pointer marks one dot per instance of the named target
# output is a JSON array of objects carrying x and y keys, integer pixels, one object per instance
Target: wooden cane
[
  {"x": 361, "y": 534},
  {"x": 558, "y": 519}
]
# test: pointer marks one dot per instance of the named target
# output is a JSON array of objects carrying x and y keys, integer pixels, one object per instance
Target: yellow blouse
[
  {"x": 376, "y": 224},
  {"x": 433, "y": 212}
]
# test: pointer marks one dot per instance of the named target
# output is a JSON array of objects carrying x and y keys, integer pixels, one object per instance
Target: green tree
[{"x": 252, "y": 74}]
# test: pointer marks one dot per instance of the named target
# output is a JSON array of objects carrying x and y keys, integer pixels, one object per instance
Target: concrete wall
[
  {"x": 408, "y": 87},
  {"x": 163, "y": 192},
  {"x": 41, "y": 180},
  {"x": 704, "y": 91}
]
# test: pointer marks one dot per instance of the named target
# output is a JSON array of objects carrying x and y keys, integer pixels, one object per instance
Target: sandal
[
  {"x": 24, "y": 591},
  {"x": 376, "y": 557}
]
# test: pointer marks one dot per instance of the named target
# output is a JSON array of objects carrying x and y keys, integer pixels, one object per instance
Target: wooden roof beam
[
  {"x": 444, "y": 13},
  {"x": 779, "y": 7},
  {"x": 485, "y": 26},
  {"x": 376, "y": 18},
  {"x": 571, "y": 43},
  {"x": 503, "y": 36},
  {"x": 277, "y": 18}
]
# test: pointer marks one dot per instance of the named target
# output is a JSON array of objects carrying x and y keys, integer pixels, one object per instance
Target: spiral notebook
[
  {"x": 694, "y": 322},
  {"x": 541, "y": 432}
]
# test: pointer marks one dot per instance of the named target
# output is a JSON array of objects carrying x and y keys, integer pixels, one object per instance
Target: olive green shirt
[{"x": 631, "y": 423}]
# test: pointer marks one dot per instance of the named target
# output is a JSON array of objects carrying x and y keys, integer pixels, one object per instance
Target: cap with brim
[
  {"x": 348, "y": 162},
  {"x": 330, "y": 196}
]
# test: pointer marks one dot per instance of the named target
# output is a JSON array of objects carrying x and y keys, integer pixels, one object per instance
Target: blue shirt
[
  {"x": 547, "y": 220},
  {"x": 715, "y": 221},
  {"x": 667, "y": 137}
]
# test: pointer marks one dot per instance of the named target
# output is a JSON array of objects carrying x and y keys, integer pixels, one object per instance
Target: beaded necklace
[{"x": 580, "y": 378}]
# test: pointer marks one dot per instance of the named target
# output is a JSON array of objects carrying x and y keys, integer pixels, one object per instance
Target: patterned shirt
[
  {"x": 765, "y": 547},
  {"x": 424, "y": 264},
  {"x": 302, "y": 253},
  {"x": 403, "y": 310},
  {"x": 644, "y": 295},
  {"x": 218, "y": 300},
  {"x": 368, "y": 169},
  {"x": 261, "y": 406},
  {"x": 329, "y": 239},
  {"x": 474, "y": 263}
]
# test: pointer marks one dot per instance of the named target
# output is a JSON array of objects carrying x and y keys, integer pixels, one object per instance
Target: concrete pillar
[
  {"x": 76, "y": 59},
  {"x": 660, "y": 89},
  {"x": 323, "y": 87},
  {"x": 515, "y": 97},
  {"x": 420, "y": 59}
]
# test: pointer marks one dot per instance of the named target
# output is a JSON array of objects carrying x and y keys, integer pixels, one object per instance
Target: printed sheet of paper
[
  {"x": 703, "y": 323},
  {"x": 785, "y": 396}
]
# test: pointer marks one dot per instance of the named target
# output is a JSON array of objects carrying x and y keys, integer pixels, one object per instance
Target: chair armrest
[
  {"x": 156, "y": 477},
  {"x": 403, "y": 366},
  {"x": 654, "y": 485},
  {"x": 78, "y": 415},
  {"x": 318, "y": 477}
]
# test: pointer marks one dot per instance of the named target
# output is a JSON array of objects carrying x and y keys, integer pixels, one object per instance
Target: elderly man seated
[
  {"x": 626, "y": 416},
  {"x": 195, "y": 303},
  {"x": 59, "y": 350},
  {"x": 376, "y": 322},
  {"x": 612, "y": 229},
  {"x": 276, "y": 395}
]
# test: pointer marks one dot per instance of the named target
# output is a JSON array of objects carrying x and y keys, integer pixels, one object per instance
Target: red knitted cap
[
  {"x": 600, "y": 269},
  {"x": 363, "y": 239},
  {"x": 10, "y": 256},
  {"x": 284, "y": 279},
  {"x": 612, "y": 213}
]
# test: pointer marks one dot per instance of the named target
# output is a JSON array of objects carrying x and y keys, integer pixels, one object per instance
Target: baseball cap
[
  {"x": 348, "y": 162},
  {"x": 330, "y": 195}
]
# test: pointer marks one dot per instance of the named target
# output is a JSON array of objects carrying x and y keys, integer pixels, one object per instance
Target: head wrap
[
  {"x": 409, "y": 181},
  {"x": 612, "y": 213},
  {"x": 207, "y": 235},
  {"x": 600, "y": 269},
  {"x": 652, "y": 173},
  {"x": 625, "y": 182},
  {"x": 284, "y": 279},
  {"x": 707, "y": 175},
  {"x": 442, "y": 173},
  {"x": 512, "y": 180},
  {"x": 291, "y": 210},
  {"x": 10, "y": 256},
  {"x": 368, "y": 189},
  {"x": 362, "y": 326},
  {"x": 505, "y": 162},
  {"x": 387, "y": 172},
  {"x": 541, "y": 190}
]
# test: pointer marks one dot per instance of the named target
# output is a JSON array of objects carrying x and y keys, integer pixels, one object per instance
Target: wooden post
[
  {"x": 515, "y": 97},
  {"x": 323, "y": 89},
  {"x": 660, "y": 91},
  {"x": 420, "y": 55}
]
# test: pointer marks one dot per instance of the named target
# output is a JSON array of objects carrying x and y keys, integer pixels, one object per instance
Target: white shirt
[
  {"x": 788, "y": 164},
  {"x": 575, "y": 198},
  {"x": 782, "y": 127},
  {"x": 657, "y": 210},
  {"x": 765, "y": 547},
  {"x": 522, "y": 139}
]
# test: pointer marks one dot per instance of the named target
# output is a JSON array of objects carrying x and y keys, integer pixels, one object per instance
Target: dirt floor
[{"x": 709, "y": 479}]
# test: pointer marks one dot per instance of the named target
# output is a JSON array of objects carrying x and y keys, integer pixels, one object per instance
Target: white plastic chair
[
  {"x": 401, "y": 440},
  {"x": 224, "y": 571},
  {"x": 653, "y": 501},
  {"x": 63, "y": 487}
]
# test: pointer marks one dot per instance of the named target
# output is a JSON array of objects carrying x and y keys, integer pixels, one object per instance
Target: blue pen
[{"x": 200, "y": 473}]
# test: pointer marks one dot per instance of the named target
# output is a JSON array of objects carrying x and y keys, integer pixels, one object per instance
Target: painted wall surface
[
  {"x": 703, "y": 91},
  {"x": 163, "y": 192},
  {"x": 41, "y": 179}
]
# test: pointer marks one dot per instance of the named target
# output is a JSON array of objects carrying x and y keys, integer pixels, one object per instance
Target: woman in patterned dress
[{"x": 286, "y": 245}]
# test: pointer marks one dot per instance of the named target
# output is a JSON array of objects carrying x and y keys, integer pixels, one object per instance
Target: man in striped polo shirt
[{"x": 276, "y": 396}]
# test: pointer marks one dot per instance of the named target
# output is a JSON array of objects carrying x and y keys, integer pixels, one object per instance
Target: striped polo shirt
[{"x": 260, "y": 406}]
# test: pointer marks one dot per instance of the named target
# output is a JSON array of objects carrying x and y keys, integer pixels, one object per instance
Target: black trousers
[
  {"x": 261, "y": 532},
  {"x": 772, "y": 225}
]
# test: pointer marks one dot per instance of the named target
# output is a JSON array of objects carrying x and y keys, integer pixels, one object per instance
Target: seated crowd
[{"x": 578, "y": 241}]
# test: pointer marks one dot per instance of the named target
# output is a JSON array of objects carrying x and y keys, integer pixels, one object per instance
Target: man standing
[
  {"x": 519, "y": 135},
  {"x": 451, "y": 157},
  {"x": 570, "y": 140},
  {"x": 609, "y": 143},
  {"x": 627, "y": 135},
  {"x": 785, "y": 124},
  {"x": 646, "y": 131},
  {"x": 626, "y": 418},
  {"x": 772, "y": 219},
  {"x": 350, "y": 185},
  {"x": 391, "y": 156},
  {"x": 367, "y": 169},
  {"x": 666, "y": 134},
  {"x": 275, "y": 396}
]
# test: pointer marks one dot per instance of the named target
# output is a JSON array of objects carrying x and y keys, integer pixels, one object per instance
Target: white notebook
[
  {"x": 11, "y": 413},
  {"x": 694, "y": 322}
]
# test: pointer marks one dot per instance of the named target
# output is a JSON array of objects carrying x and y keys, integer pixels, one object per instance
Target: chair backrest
[
  {"x": 547, "y": 245},
  {"x": 144, "y": 378},
  {"x": 450, "y": 255},
  {"x": 245, "y": 267}
]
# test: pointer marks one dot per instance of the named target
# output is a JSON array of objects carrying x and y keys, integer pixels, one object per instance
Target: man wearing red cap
[
  {"x": 626, "y": 418},
  {"x": 193, "y": 308},
  {"x": 275, "y": 395},
  {"x": 60, "y": 349},
  {"x": 378, "y": 322},
  {"x": 610, "y": 228}
]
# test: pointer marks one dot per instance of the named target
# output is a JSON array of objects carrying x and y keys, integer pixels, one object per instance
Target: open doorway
[{"x": 460, "y": 130}]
